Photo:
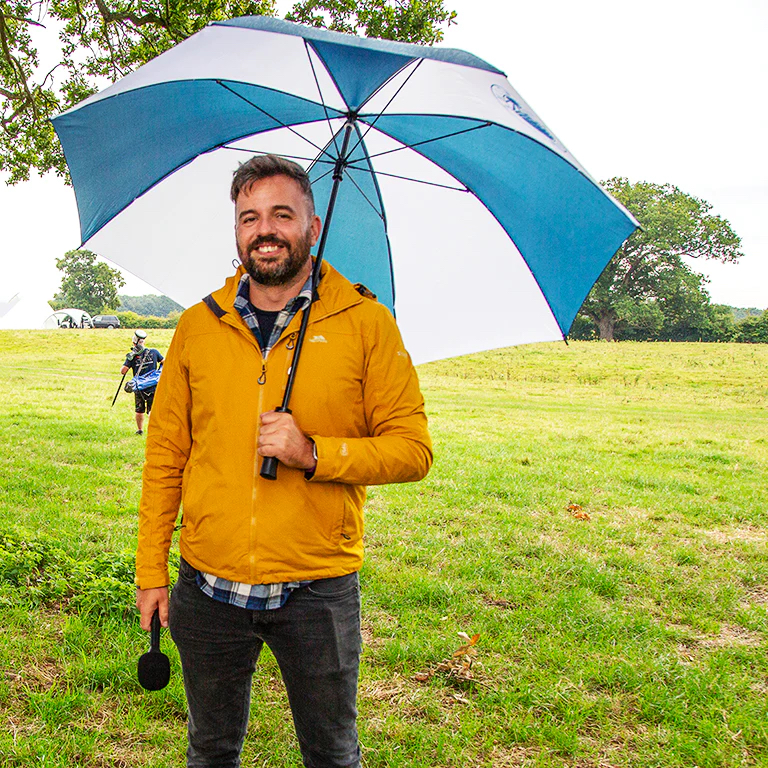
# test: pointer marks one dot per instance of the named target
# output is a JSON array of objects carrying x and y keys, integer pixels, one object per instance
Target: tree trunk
[{"x": 606, "y": 325}]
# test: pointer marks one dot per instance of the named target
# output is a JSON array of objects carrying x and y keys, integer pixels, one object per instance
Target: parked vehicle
[{"x": 106, "y": 321}]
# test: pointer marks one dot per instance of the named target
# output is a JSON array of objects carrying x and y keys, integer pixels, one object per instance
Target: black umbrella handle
[{"x": 269, "y": 464}]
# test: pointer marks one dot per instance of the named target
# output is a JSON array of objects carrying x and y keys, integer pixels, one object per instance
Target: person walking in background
[
  {"x": 141, "y": 360},
  {"x": 273, "y": 561}
]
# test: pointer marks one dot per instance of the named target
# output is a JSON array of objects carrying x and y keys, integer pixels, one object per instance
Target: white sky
[{"x": 659, "y": 90}]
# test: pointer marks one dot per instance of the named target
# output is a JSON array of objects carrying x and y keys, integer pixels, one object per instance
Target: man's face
[{"x": 274, "y": 229}]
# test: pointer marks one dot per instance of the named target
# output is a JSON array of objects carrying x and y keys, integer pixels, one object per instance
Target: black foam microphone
[{"x": 154, "y": 668}]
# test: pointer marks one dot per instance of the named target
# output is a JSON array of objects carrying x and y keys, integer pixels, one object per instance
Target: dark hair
[{"x": 266, "y": 166}]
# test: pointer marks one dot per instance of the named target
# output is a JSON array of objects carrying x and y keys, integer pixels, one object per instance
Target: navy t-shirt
[{"x": 147, "y": 361}]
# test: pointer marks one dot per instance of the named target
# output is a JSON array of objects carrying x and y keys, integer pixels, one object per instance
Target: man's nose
[{"x": 265, "y": 226}]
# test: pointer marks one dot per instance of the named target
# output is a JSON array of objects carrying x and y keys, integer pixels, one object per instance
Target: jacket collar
[{"x": 335, "y": 293}]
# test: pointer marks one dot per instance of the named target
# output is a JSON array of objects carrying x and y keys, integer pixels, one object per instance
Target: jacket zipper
[{"x": 262, "y": 380}]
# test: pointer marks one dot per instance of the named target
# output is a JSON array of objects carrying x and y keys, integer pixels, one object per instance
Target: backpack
[{"x": 141, "y": 382}]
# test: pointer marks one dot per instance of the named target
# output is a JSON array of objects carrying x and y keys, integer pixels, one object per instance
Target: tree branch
[
  {"x": 137, "y": 21},
  {"x": 21, "y": 78}
]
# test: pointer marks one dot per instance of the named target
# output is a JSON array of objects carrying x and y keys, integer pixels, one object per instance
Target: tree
[
  {"x": 102, "y": 40},
  {"x": 649, "y": 269},
  {"x": 88, "y": 284},
  {"x": 753, "y": 330},
  {"x": 411, "y": 21}
]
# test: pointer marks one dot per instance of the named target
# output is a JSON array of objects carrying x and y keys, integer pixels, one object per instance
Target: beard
[{"x": 276, "y": 272}]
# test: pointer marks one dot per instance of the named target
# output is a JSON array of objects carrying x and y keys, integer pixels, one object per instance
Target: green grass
[{"x": 636, "y": 637}]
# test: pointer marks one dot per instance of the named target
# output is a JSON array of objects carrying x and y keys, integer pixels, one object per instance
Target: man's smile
[{"x": 265, "y": 249}]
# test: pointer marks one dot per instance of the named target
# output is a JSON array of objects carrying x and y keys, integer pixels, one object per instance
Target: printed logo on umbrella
[{"x": 508, "y": 102}]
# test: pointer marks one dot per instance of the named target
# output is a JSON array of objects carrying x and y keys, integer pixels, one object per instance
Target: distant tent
[
  {"x": 22, "y": 311},
  {"x": 69, "y": 318}
]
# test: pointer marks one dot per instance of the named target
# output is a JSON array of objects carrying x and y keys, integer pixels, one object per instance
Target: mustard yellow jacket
[{"x": 356, "y": 394}]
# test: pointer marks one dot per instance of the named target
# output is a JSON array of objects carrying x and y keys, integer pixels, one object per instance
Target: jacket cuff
[
  {"x": 310, "y": 473},
  {"x": 152, "y": 579}
]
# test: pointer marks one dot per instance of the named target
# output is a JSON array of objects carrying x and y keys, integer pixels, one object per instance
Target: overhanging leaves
[{"x": 103, "y": 40}]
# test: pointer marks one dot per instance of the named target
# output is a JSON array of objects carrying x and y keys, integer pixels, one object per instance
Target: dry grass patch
[
  {"x": 751, "y": 534},
  {"x": 396, "y": 691},
  {"x": 39, "y": 676},
  {"x": 755, "y": 597},
  {"x": 499, "y": 602},
  {"x": 515, "y": 756},
  {"x": 730, "y": 636}
]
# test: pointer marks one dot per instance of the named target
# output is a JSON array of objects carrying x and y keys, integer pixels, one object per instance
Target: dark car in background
[{"x": 106, "y": 321}]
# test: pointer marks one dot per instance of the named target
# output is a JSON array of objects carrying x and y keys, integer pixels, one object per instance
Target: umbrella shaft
[
  {"x": 269, "y": 465},
  {"x": 338, "y": 172}
]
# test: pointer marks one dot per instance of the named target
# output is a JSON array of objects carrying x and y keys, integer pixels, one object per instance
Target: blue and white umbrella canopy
[{"x": 458, "y": 207}]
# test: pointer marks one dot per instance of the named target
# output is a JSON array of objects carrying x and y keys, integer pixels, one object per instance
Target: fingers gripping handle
[{"x": 269, "y": 463}]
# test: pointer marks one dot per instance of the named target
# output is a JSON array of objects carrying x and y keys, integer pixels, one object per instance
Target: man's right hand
[{"x": 147, "y": 600}]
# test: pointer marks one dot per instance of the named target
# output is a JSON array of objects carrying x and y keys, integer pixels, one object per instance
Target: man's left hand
[{"x": 280, "y": 437}]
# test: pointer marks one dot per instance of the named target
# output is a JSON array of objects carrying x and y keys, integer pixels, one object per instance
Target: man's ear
[{"x": 315, "y": 228}]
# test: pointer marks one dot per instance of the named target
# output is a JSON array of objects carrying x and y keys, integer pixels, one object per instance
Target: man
[
  {"x": 273, "y": 561},
  {"x": 142, "y": 360}
]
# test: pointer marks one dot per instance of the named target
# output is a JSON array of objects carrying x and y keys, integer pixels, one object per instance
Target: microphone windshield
[{"x": 154, "y": 670}]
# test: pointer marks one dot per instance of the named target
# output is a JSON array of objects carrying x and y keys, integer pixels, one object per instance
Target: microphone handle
[{"x": 154, "y": 636}]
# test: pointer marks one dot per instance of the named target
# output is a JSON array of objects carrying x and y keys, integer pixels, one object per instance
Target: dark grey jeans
[{"x": 316, "y": 640}]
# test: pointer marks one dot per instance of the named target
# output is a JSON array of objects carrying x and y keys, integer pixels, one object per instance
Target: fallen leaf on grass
[
  {"x": 459, "y": 666},
  {"x": 578, "y": 512}
]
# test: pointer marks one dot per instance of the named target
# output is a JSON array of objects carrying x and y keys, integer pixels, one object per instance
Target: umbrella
[{"x": 454, "y": 202}]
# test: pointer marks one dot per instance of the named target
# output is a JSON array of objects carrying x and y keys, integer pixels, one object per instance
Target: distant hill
[
  {"x": 739, "y": 313},
  {"x": 150, "y": 304}
]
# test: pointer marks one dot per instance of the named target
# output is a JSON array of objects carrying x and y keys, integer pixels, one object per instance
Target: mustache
[{"x": 266, "y": 240}]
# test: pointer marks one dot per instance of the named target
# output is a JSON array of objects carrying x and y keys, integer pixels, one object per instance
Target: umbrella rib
[
  {"x": 367, "y": 199},
  {"x": 327, "y": 173},
  {"x": 272, "y": 117},
  {"x": 289, "y": 157},
  {"x": 322, "y": 99},
  {"x": 428, "y": 141},
  {"x": 382, "y": 111},
  {"x": 409, "y": 178},
  {"x": 324, "y": 151}
]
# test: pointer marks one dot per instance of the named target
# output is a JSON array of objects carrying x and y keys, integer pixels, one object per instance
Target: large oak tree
[{"x": 648, "y": 275}]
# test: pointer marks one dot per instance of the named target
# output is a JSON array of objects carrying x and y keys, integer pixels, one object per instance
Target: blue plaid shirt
[
  {"x": 248, "y": 313},
  {"x": 257, "y": 597}
]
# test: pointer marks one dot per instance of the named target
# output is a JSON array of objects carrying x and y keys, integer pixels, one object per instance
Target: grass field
[{"x": 596, "y": 513}]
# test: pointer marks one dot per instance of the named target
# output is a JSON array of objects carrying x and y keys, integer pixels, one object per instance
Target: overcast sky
[{"x": 660, "y": 90}]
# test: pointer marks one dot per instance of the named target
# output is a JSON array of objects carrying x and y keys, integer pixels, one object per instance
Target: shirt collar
[{"x": 299, "y": 301}]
